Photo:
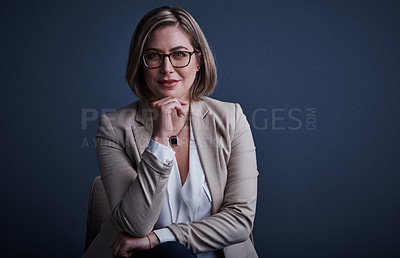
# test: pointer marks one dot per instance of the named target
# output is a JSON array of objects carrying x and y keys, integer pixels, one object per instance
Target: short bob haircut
[{"x": 206, "y": 77}]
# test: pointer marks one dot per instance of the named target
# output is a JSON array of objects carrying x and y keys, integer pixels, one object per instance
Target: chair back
[{"x": 98, "y": 210}]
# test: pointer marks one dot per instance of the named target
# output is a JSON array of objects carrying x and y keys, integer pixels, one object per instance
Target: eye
[
  {"x": 179, "y": 54},
  {"x": 153, "y": 55}
]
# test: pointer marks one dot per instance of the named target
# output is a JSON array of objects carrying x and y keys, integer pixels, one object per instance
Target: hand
[
  {"x": 162, "y": 122},
  {"x": 125, "y": 244}
]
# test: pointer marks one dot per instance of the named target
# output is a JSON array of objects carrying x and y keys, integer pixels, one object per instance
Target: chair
[{"x": 98, "y": 210}]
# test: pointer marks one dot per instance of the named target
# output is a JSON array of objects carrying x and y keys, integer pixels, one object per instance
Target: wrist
[
  {"x": 153, "y": 239},
  {"x": 161, "y": 140}
]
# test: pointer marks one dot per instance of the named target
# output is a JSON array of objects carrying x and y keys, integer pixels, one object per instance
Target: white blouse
[{"x": 190, "y": 202}]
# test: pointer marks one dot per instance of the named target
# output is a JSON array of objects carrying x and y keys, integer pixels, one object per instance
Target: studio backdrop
[{"x": 317, "y": 80}]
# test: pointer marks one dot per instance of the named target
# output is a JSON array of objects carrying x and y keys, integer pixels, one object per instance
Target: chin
[{"x": 172, "y": 95}]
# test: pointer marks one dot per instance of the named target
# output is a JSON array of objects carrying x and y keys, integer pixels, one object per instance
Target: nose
[{"x": 166, "y": 67}]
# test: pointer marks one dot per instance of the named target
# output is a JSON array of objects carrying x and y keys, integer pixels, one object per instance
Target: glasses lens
[
  {"x": 153, "y": 59},
  {"x": 177, "y": 59},
  {"x": 180, "y": 58}
]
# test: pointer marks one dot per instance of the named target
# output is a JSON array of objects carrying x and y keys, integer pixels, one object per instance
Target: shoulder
[
  {"x": 123, "y": 115},
  {"x": 221, "y": 108},
  {"x": 217, "y": 105},
  {"x": 228, "y": 117},
  {"x": 117, "y": 123},
  {"x": 224, "y": 111},
  {"x": 130, "y": 115}
]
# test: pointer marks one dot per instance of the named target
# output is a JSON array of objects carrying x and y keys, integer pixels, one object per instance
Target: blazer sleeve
[
  {"x": 234, "y": 221},
  {"x": 135, "y": 191}
]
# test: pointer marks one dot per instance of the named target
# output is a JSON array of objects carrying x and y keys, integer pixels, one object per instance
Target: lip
[{"x": 168, "y": 83}]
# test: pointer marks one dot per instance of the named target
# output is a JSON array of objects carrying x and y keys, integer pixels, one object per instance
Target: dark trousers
[{"x": 167, "y": 250}]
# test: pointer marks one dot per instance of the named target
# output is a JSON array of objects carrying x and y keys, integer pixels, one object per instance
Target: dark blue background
[{"x": 332, "y": 191}]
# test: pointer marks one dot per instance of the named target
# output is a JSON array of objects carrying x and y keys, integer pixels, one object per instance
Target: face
[{"x": 168, "y": 81}]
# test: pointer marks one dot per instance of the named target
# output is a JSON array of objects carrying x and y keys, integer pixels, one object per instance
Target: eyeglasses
[{"x": 178, "y": 59}]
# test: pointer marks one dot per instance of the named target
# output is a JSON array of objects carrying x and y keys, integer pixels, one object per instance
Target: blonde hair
[{"x": 206, "y": 77}]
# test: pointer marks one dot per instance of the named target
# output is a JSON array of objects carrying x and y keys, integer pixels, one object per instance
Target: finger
[
  {"x": 168, "y": 99},
  {"x": 162, "y": 100},
  {"x": 183, "y": 102},
  {"x": 125, "y": 252},
  {"x": 166, "y": 105},
  {"x": 169, "y": 105},
  {"x": 180, "y": 111},
  {"x": 176, "y": 103},
  {"x": 115, "y": 249},
  {"x": 117, "y": 245}
]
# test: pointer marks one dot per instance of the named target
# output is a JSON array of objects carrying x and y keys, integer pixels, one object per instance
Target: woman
[{"x": 179, "y": 168}]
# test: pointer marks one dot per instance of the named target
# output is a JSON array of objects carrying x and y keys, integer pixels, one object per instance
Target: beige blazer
[{"x": 136, "y": 181}]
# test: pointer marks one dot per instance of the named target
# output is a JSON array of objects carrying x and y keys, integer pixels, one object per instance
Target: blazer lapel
[
  {"x": 143, "y": 128},
  {"x": 205, "y": 136}
]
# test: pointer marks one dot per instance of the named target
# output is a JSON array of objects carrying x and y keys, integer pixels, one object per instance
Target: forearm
[
  {"x": 233, "y": 224},
  {"x": 135, "y": 190},
  {"x": 140, "y": 207}
]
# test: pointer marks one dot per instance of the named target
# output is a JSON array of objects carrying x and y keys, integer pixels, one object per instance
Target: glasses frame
[{"x": 169, "y": 57}]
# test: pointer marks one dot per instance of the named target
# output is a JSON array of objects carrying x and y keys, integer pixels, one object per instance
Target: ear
[{"x": 198, "y": 59}]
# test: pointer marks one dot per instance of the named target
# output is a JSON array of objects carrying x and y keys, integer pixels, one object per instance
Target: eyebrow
[{"x": 172, "y": 49}]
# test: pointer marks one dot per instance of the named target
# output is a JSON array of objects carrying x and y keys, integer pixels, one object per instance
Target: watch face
[{"x": 173, "y": 141}]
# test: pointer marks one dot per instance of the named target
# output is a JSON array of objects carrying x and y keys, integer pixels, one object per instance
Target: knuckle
[{"x": 165, "y": 108}]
